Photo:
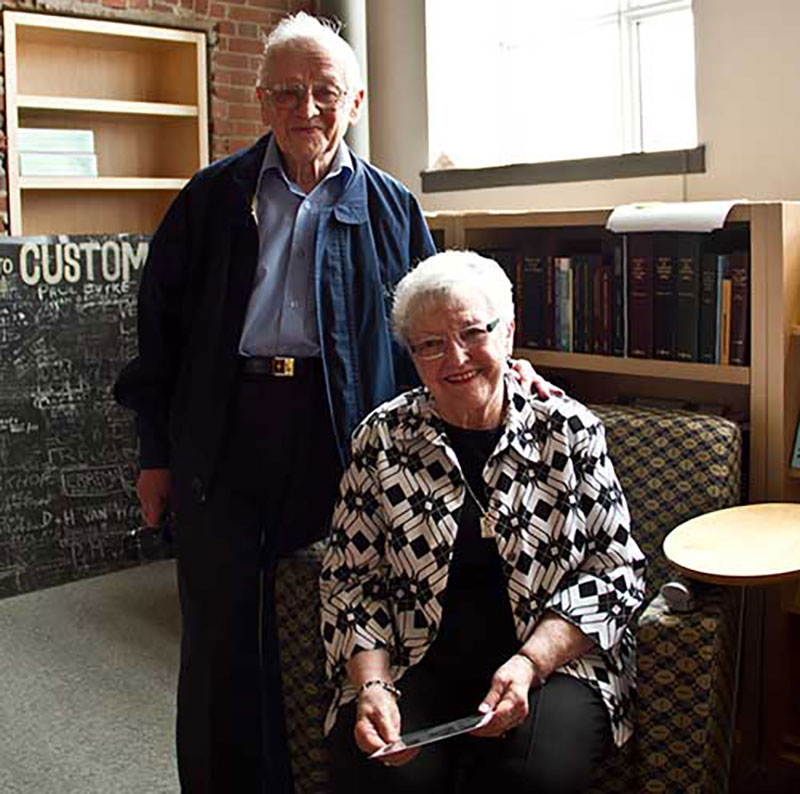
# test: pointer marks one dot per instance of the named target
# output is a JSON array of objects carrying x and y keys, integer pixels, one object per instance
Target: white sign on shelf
[{"x": 683, "y": 216}]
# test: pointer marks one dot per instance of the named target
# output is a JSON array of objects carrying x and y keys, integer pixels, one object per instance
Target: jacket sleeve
[
  {"x": 603, "y": 594},
  {"x": 355, "y": 613},
  {"x": 147, "y": 383}
]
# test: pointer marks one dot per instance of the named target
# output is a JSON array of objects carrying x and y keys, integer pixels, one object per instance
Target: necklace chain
[{"x": 475, "y": 498}]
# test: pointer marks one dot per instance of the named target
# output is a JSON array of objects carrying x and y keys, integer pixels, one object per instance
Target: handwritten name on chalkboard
[{"x": 67, "y": 451}]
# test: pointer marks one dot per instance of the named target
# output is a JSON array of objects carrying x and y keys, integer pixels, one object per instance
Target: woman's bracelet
[
  {"x": 539, "y": 677},
  {"x": 385, "y": 685}
]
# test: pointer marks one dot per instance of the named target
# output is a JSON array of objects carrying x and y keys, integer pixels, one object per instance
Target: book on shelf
[
  {"x": 687, "y": 297},
  {"x": 640, "y": 295},
  {"x": 531, "y": 268},
  {"x": 563, "y": 303},
  {"x": 549, "y": 318},
  {"x": 739, "y": 319},
  {"x": 794, "y": 461},
  {"x": 619, "y": 296},
  {"x": 709, "y": 309},
  {"x": 724, "y": 330},
  {"x": 507, "y": 259},
  {"x": 601, "y": 308},
  {"x": 57, "y": 164},
  {"x": 40, "y": 139},
  {"x": 581, "y": 299},
  {"x": 664, "y": 297}
]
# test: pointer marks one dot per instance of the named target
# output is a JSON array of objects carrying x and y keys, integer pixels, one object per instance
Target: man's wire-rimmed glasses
[
  {"x": 471, "y": 337},
  {"x": 289, "y": 96}
]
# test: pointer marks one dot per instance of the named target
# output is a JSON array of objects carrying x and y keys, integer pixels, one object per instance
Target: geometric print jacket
[{"x": 556, "y": 512}]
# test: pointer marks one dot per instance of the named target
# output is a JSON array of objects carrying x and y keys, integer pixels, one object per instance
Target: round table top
[{"x": 748, "y": 544}]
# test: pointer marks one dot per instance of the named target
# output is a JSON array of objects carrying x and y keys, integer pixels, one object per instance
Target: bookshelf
[
  {"x": 140, "y": 89},
  {"x": 765, "y": 395}
]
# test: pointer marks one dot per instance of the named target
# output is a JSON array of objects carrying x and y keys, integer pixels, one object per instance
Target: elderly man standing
[{"x": 263, "y": 340}]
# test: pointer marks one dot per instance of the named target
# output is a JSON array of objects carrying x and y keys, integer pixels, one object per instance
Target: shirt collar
[{"x": 342, "y": 163}]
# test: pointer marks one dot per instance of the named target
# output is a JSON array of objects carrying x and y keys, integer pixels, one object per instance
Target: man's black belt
[{"x": 278, "y": 366}]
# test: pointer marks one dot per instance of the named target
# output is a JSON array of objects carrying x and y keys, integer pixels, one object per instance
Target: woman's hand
[
  {"x": 530, "y": 379},
  {"x": 508, "y": 697},
  {"x": 378, "y": 723}
]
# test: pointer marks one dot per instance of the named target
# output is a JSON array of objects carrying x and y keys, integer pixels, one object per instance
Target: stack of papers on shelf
[{"x": 56, "y": 152}]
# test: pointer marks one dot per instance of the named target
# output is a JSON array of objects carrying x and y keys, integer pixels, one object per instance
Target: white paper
[
  {"x": 435, "y": 734},
  {"x": 683, "y": 216},
  {"x": 37, "y": 139},
  {"x": 57, "y": 164}
]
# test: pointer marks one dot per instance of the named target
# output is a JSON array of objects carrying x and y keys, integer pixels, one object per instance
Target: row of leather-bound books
[{"x": 676, "y": 296}]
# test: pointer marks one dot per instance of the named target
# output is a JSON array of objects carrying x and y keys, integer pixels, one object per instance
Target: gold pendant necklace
[{"x": 485, "y": 520}]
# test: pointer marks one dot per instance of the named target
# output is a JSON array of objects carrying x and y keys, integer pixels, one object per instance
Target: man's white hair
[
  {"x": 447, "y": 276},
  {"x": 302, "y": 27}
]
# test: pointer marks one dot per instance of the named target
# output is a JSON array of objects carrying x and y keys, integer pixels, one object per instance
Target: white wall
[{"x": 748, "y": 97}]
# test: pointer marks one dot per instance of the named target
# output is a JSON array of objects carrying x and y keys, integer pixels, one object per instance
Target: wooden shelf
[
  {"x": 81, "y": 104},
  {"x": 99, "y": 183},
  {"x": 140, "y": 89},
  {"x": 639, "y": 367}
]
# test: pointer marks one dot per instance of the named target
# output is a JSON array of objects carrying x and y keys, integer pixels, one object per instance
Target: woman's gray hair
[
  {"x": 324, "y": 32},
  {"x": 446, "y": 276}
]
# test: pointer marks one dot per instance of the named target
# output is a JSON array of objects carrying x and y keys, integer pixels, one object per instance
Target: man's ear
[
  {"x": 264, "y": 104},
  {"x": 355, "y": 107}
]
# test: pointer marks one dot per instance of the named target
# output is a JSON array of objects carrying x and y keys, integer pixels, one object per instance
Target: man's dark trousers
[{"x": 273, "y": 492}]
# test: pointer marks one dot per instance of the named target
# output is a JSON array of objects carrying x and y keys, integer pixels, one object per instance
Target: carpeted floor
[{"x": 87, "y": 686}]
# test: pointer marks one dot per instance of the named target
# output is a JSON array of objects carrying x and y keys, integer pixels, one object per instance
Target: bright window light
[{"x": 520, "y": 81}]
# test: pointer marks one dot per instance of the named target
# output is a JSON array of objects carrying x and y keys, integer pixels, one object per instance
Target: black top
[{"x": 477, "y": 626}]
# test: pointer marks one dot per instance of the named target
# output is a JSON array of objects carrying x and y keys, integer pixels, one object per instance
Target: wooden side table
[
  {"x": 749, "y": 545},
  {"x": 744, "y": 545}
]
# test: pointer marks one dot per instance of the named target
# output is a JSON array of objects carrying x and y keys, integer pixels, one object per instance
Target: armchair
[{"x": 672, "y": 465}]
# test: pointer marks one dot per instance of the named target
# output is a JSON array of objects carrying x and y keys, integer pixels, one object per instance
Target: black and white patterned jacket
[{"x": 558, "y": 515}]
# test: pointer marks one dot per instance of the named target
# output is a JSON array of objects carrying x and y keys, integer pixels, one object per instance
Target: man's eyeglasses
[
  {"x": 289, "y": 96},
  {"x": 471, "y": 337}
]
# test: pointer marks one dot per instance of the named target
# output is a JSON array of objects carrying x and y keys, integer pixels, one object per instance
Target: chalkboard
[{"x": 67, "y": 451}]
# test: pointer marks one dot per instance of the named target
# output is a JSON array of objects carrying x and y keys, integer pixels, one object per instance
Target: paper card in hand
[{"x": 434, "y": 734}]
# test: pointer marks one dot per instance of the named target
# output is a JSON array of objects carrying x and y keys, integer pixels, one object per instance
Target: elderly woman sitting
[{"x": 480, "y": 560}]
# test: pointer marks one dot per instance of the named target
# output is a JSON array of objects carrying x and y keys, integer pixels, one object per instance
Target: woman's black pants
[{"x": 554, "y": 751}]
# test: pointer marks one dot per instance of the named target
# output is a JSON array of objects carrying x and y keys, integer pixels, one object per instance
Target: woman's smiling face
[{"x": 467, "y": 380}]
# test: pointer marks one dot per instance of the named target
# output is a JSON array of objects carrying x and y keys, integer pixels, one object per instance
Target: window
[{"x": 526, "y": 81}]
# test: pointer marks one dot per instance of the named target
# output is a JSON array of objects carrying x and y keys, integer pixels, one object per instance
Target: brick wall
[{"x": 234, "y": 29}]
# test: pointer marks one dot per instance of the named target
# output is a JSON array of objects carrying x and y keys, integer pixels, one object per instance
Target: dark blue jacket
[{"x": 195, "y": 290}]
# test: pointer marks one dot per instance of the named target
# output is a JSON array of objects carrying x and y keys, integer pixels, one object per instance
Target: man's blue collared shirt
[{"x": 281, "y": 316}]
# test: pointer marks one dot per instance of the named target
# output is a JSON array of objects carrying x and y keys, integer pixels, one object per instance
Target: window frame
[{"x": 634, "y": 163}]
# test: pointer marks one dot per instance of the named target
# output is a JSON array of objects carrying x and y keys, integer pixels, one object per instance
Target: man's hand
[
  {"x": 530, "y": 379},
  {"x": 508, "y": 696},
  {"x": 378, "y": 723},
  {"x": 153, "y": 488}
]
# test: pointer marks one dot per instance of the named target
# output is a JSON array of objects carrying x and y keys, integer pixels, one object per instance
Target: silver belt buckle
[{"x": 283, "y": 367}]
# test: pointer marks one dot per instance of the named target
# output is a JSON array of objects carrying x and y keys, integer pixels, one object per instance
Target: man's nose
[{"x": 306, "y": 105}]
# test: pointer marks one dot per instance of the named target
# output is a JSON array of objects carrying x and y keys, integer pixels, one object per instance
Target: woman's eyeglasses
[{"x": 473, "y": 336}]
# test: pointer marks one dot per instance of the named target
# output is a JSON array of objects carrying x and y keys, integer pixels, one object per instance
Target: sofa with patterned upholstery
[{"x": 672, "y": 465}]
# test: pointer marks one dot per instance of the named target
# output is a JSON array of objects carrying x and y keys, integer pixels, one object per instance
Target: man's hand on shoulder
[
  {"x": 531, "y": 380},
  {"x": 153, "y": 488}
]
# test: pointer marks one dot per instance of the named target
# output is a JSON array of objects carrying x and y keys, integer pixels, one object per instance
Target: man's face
[{"x": 308, "y": 136}]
